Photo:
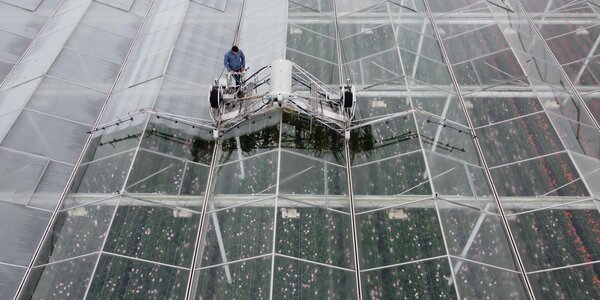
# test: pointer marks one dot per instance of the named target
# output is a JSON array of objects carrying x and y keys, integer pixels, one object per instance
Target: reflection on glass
[
  {"x": 429, "y": 279},
  {"x": 255, "y": 175},
  {"x": 121, "y": 278},
  {"x": 396, "y": 176},
  {"x": 399, "y": 234}
]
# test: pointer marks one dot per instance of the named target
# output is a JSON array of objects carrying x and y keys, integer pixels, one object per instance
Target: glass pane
[
  {"x": 571, "y": 283},
  {"x": 78, "y": 231},
  {"x": 68, "y": 279},
  {"x": 12, "y": 101},
  {"x": 302, "y": 135},
  {"x": 400, "y": 234},
  {"x": 19, "y": 175},
  {"x": 557, "y": 237},
  {"x": 112, "y": 20},
  {"x": 475, "y": 281},
  {"x": 55, "y": 138},
  {"x": 255, "y": 175},
  {"x": 488, "y": 39},
  {"x": 50, "y": 188},
  {"x": 151, "y": 231},
  {"x": 136, "y": 279},
  {"x": 104, "y": 176},
  {"x": 179, "y": 140},
  {"x": 378, "y": 106},
  {"x": 387, "y": 177},
  {"x": 442, "y": 104},
  {"x": 12, "y": 46},
  {"x": 252, "y": 137},
  {"x": 162, "y": 176},
  {"x": 10, "y": 277},
  {"x": 383, "y": 140},
  {"x": 314, "y": 234},
  {"x": 518, "y": 139},
  {"x": 429, "y": 279},
  {"x": 301, "y": 175},
  {"x": 238, "y": 232},
  {"x": 540, "y": 176},
  {"x": 89, "y": 71},
  {"x": 185, "y": 99},
  {"x": 19, "y": 21},
  {"x": 454, "y": 178},
  {"x": 121, "y": 4},
  {"x": 302, "y": 280},
  {"x": 249, "y": 279},
  {"x": 194, "y": 181},
  {"x": 476, "y": 235},
  {"x": 67, "y": 100},
  {"x": 499, "y": 107},
  {"x": 100, "y": 43},
  {"x": 22, "y": 230}
]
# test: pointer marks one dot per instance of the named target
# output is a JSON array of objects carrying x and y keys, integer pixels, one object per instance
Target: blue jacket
[{"x": 234, "y": 62}]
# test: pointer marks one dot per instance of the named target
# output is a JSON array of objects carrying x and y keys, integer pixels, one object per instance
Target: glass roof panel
[
  {"x": 10, "y": 278},
  {"x": 153, "y": 231},
  {"x": 55, "y": 138},
  {"x": 557, "y": 237},
  {"x": 50, "y": 187},
  {"x": 12, "y": 46},
  {"x": 249, "y": 279},
  {"x": 498, "y": 106},
  {"x": 539, "y": 176},
  {"x": 387, "y": 176},
  {"x": 303, "y": 135},
  {"x": 480, "y": 281},
  {"x": 78, "y": 231},
  {"x": 399, "y": 234},
  {"x": 163, "y": 176},
  {"x": 61, "y": 280},
  {"x": 23, "y": 229},
  {"x": 19, "y": 21},
  {"x": 428, "y": 278},
  {"x": 238, "y": 232},
  {"x": 475, "y": 235},
  {"x": 67, "y": 100},
  {"x": 19, "y": 175},
  {"x": 296, "y": 279},
  {"x": 314, "y": 234},
  {"x": 456, "y": 179},
  {"x": 105, "y": 176},
  {"x": 518, "y": 139},
  {"x": 575, "y": 282},
  {"x": 254, "y": 175},
  {"x": 142, "y": 279}
]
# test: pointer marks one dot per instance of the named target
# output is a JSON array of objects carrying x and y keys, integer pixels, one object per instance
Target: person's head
[{"x": 234, "y": 49}]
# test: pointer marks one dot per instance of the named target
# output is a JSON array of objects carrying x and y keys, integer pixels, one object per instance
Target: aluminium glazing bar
[{"x": 478, "y": 148}]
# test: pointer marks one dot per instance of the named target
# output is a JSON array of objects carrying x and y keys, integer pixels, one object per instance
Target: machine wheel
[
  {"x": 348, "y": 98},
  {"x": 215, "y": 97}
]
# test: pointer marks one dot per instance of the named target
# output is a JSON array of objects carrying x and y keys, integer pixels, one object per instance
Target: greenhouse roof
[{"x": 472, "y": 167}]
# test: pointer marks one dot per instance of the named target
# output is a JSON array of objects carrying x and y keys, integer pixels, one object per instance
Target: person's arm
[
  {"x": 226, "y": 62},
  {"x": 243, "y": 60}
]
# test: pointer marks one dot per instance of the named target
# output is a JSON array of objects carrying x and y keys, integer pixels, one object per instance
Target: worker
[{"x": 235, "y": 62}]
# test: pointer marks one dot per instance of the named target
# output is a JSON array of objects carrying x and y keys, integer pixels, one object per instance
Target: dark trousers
[{"x": 237, "y": 77}]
